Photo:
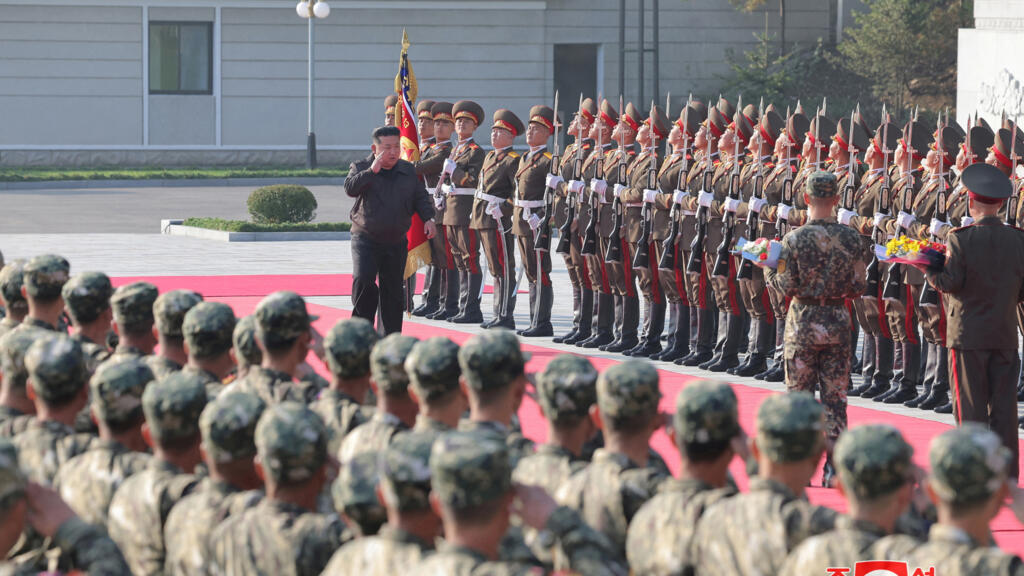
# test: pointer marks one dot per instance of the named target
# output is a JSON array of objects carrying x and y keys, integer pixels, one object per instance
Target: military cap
[
  {"x": 986, "y": 183},
  {"x": 423, "y": 109},
  {"x": 820, "y": 132},
  {"x": 608, "y": 113},
  {"x": 173, "y": 405},
  {"x": 873, "y": 461},
  {"x": 968, "y": 464},
  {"x": 751, "y": 115},
  {"x": 544, "y": 116},
  {"x": 243, "y": 340},
  {"x": 950, "y": 140},
  {"x": 742, "y": 128},
  {"x": 12, "y": 479},
  {"x": 492, "y": 360},
  {"x": 87, "y": 295},
  {"x": 45, "y": 275},
  {"x": 770, "y": 126},
  {"x": 588, "y": 110},
  {"x": 228, "y": 426},
  {"x": 13, "y": 347},
  {"x": 860, "y": 120},
  {"x": 982, "y": 122},
  {"x": 281, "y": 317},
  {"x": 169, "y": 310},
  {"x": 208, "y": 328},
  {"x": 822, "y": 184},
  {"x": 390, "y": 101},
  {"x": 716, "y": 123},
  {"x": 469, "y": 469},
  {"x": 891, "y": 132},
  {"x": 56, "y": 367},
  {"x": 506, "y": 119},
  {"x": 981, "y": 139},
  {"x": 628, "y": 390},
  {"x": 387, "y": 363},
  {"x": 567, "y": 387},
  {"x": 690, "y": 118},
  {"x": 348, "y": 345},
  {"x": 442, "y": 111},
  {"x": 843, "y": 136},
  {"x": 133, "y": 305},
  {"x": 771, "y": 108},
  {"x": 797, "y": 126},
  {"x": 1004, "y": 150},
  {"x": 469, "y": 109},
  {"x": 291, "y": 442},
  {"x": 957, "y": 128},
  {"x": 116, "y": 390},
  {"x": 433, "y": 367},
  {"x": 405, "y": 472},
  {"x": 11, "y": 281},
  {"x": 706, "y": 413},
  {"x": 699, "y": 106},
  {"x": 920, "y": 139},
  {"x": 789, "y": 426},
  {"x": 725, "y": 108},
  {"x": 661, "y": 123},
  {"x": 632, "y": 117}
]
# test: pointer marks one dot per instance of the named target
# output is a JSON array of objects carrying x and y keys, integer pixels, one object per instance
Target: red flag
[{"x": 405, "y": 119}]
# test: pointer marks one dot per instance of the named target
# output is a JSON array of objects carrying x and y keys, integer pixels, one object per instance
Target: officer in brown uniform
[
  {"x": 431, "y": 164},
  {"x": 428, "y": 167},
  {"x": 492, "y": 210},
  {"x": 983, "y": 282},
  {"x": 389, "y": 109},
  {"x": 582, "y": 290},
  {"x": 527, "y": 217},
  {"x": 461, "y": 179}
]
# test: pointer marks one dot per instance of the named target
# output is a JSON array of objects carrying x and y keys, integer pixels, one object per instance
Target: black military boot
[
  {"x": 471, "y": 314},
  {"x": 497, "y": 299},
  {"x": 602, "y": 333},
  {"x": 507, "y": 318},
  {"x": 616, "y": 324},
  {"x": 463, "y": 296},
  {"x": 670, "y": 328},
  {"x": 907, "y": 387},
  {"x": 731, "y": 345},
  {"x": 655, "y": 326},
  {"x": 931, "y": 367},
  {"x": 940, "y": 388},
  {"x": 680, "y": 337},
  {"x": 586, "y": 318},
  {"x": 704, "y": 344},
  {"x": 449, "y": 304},
  {"x": 630, "y": 322},
  {"x": 431, "y": 293},
  {"x": 757, "y": 360},
  {"x": 867, "y": 371},
  {"x": 542, "y": 313},
  {"x": 946, "y": 408}
]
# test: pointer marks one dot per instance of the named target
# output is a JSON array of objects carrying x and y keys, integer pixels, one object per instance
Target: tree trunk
[{"x": 782, "y": 28}]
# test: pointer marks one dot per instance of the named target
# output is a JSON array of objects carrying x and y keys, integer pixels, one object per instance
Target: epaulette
[
  {"x": 547, "y": 155},
  {"x": 473, "y": 145},
  {"x": 513, "y": 153}
]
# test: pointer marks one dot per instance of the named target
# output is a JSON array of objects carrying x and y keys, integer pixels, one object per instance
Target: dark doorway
[{"x": 575, "y": 72}]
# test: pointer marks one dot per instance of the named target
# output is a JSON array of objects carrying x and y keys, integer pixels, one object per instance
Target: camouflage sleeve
[
  {"x": 954, "y": 273},
  {"x": 803, "y": 520},
  {"x": 639, "y": 486},
  {"x": 90, "y": 549},
  {"x": 313, "y": 552},
  {"x": 587, "y": 550},
  {"x": 786, "y": 277}
]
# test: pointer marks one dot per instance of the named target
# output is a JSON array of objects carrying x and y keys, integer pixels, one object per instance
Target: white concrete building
[{"x": 990, "y": 74}]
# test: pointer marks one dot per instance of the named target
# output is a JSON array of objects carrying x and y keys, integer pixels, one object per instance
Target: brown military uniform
[
  {"x": 442, "y": 265},
  {"x": 583, "y": 293},
  {"x": 469, "y": 159},
  {"x": 530, "y": 200},
  {"x": 620, "y": 273},
  {"x": 497, "y": 186},
  {"x": 594, "y": 264}
]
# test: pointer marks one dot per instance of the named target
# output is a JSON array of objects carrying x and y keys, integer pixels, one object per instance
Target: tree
[{"x": 752, "y": 5}]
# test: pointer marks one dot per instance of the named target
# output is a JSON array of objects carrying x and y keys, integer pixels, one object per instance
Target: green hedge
[
  {"x": 244, "y": 226},
  {"x": 282, "y": 203},
  {"x": 157, "y": 173}
]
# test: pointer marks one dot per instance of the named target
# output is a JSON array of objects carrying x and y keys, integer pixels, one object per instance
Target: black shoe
[
  {"x": 918, "y": 399},
  {"x": 630, "y": 351},
  {"x": 859, "y": 390},
  {"x": 776, "y": 375},
  {"x": 1020, "y": 422},
  {"x": 694, "y": 358},
  {"x": 490, "y": 323},
  {"x": 537, "y": 331},
  {"x": 576, "y": 338},
  {"x": 707, "y": 363},
  {"x": 894, "y": 388},
  {"x": 508, "y": 324},
  {"x": 828, "y": 474},
  {"x": 724, "y": 364},
  {"x": 598, "y": 340},
  {"x": 672, "y": 354},
  {"x": 621, "y": 345},
  {"x": 934, "y": 400},
  {"x": 468, "y": 318},
  {"x": 761, "y": 375},
  {"x": 561, "y": 339},
  {"x": 874, "y": 390},
  {"x": 647, "y": 350},
  {"x": 946, "y": 408},
  {"x": 901, "y": 396},
  {"x": 1020, "y": 394},
  {"x": 425, "y": 310},
  {"x": 757, "y": 365}
]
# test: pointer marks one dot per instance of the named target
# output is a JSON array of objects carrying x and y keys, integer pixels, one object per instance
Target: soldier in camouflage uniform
[
  {"x": 140, "y": 506},
  {"x": 16, "y": 409},
  {"x": 83, "y": 547},
  {"x": 821, "y": 265},
  {"x": 433, "y": 369},
  {"x": 43, "y": 278},
  {"x": 396, "y": 410},
  {"x": 752, "y": 533},
  {"x": 877, "y": 478},
  {"x": 494, "y": 377},
  {"x": 133, "y": 319},
  {"x": 706, "y": 430},
  {"x": 355, "y": 495},
  {"x": 409, "y": 534},
  {"x": 610, "y": 490},
  {"x": 243, "y": 342},
  {"x": 207, "y": 330},
  {"x": 169, "y": 312},
  {"x": 14, "y": 303},
  {"x": 348, "y": 347},
  {"x": 291, "y": 447},
  {"x": 472, "y": 484},
  {"x": 58, "y": 374},
  {"x": 88, "y": 481},
  {"x": 228, "y": 427},
  {"x": 87, "y": 300}
]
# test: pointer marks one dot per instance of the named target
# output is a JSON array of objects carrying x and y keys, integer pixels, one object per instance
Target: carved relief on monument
[{"x": 1003, "y": 93}]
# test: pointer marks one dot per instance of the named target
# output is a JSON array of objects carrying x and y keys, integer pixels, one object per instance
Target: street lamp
[{"x": 311, "y": 10}]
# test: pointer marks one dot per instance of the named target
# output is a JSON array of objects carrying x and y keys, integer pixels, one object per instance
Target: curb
[
  {"x": 173, "y": 227},
  {"x": 174, "y": 183}
]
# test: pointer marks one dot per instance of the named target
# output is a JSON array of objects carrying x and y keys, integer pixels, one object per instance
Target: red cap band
[
  {"x": 1001, "y": 158},
  {"x": 632, "y": 123},
  {"x": 506, "y": 126},
  {"x": 983, "y": 199},
  {"x": 715, "y": 131},
  {"x": 543, "y": 122},
  {"x": 467, "y": 114},
  {"x": 768, "y": 137},
  {"x": 608, "y": 119}
]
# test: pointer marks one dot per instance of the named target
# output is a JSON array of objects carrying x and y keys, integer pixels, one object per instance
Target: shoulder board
[
  {"x": 513, "y": 154},
  {"x": 631, "y": 151},
  {"x": 473, "y": 145},
  {"x": 547, "y": 155}
]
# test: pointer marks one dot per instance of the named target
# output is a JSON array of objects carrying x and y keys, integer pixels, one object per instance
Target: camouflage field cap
[
  {"x": 11, "y": 280},
  {"x": 405, "y": 472},
  {"x": 567, "y": 387},
  {"x": 433, "y": 367},
  {"x": 116, "y": 390},
  {"x": 87, "y": 295},
  {"x": 348, "y": 346},
  {"x": 468, "y": 469},
  {"x": 12, "y": 479},
  {"x": 822, "y": 184},
  {"x": 133, "y": 305},
  {"x": 173, "y": 405},
  {"x": 208, "y": 329},
  {"x": 170, "y": 308},
  {"x": 873, "y": 460},
  {"x": 56, "y": 367},
  {"x": 790, "y": 426},
  {"x": 13, "y": 347},
  {"x": 492, "y": 359},
  {"x": 281, "y": 318},
  {"x": 969, "y": 464},
  {"x": 291, "y": 442},
  {"x": 387, "y": 363},
  {"x": 706, "y": 413},
  {"x": 228, "y": 425},
  {"x": 244, "y": 341},
  {"x": 355, "y": 492},
  {"x": 45, "y": 275},
  {"x": 628, "y": 390}
]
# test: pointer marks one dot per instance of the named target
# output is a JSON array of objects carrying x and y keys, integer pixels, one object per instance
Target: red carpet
[
  {"x": 1008, "y": 532},
  {"x": 261, "y": 284}
]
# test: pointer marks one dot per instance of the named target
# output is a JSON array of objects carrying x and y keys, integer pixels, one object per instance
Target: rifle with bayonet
[
  {"x": 746, "y": 271},
  {"x": 850, "y": 190},
  {"x": 589, "y": 246},
  {"x": 695, "y": 264},
  {"x": 565, "y": 232},
  {"x": 786, "y": 196},
  {"x": 668, "y": 246},
  {"x": 929, "y": 295},
  {"x": 878, "y": 235},
  {"x": 1013, "y": 200},
  {"x": 613, "y": 253},
  {"x": 724, "y": 254},
  {"x": 894, "y": 278},
  {"x": 542, "y": 237},
  {"x": 642, "y": 258}
]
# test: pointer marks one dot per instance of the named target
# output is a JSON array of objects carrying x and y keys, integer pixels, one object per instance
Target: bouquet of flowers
[
  {"x": 905, "y": 250},
  {"x": 763, "y": 252}
]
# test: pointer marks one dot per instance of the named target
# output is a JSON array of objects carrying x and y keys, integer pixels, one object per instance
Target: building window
[{"x": 180, "y": 58}]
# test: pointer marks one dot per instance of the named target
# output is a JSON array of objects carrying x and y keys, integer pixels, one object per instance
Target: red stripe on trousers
[
  {"x": 627, "y": 269},
  {"x": 586, "y": 275},
  {"x": 766, "y": 301},
  {"x": 500, "y": 241},
  {"x": 907, "y": 321},
  {"x": 956, "y": 388},
  {"x": 449, "y": 257},
  {"x": 606, "y": 287},
  {"x": 731, "y": 280},
  {"x": 474, "y": 264},
  {"x": 680, "y": 281},
  {"x": 655, "y": 276},
  {"x": 702, "y": 285}
]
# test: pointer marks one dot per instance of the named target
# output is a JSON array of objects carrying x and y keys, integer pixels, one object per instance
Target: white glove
[
  {"x": 449, "y": 166},
  {"x": 784, "y": 211},
  {"x": 757, "y": 204},
  {"x": 575, "y": 186},
  {"x": 845, "y": 216},
  {"x": 905, "y": 220},
  {"x": 678, "y": 196},
  {"x": 553, "y": 180},
  {"x": 705, "y": 199},
  {"x": 618, "y": 191},
  {"x": 966, "y": 221},
  {"x": 936, "y": 226},
  {"x": 598, "y": 186},
  {"x": 731, "y": 205},
  {"x": 533, "y": 221},
  {"x": 650, "y": 195},
  {"x": 446, "y": 189},
  {"x": 438, "y": 202},
  {"x": 879, "y": 218}
]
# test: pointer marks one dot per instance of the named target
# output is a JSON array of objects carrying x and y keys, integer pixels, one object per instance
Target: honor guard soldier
[
  {"x": 390, "y": 102},
  {"x": 433, "y": 152},
  {"x": 531, "y": 213},
  {"x": 461, "y": 175},
  {"x": 974, "y": 149},
  {"x": 492, "y": 209}
]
